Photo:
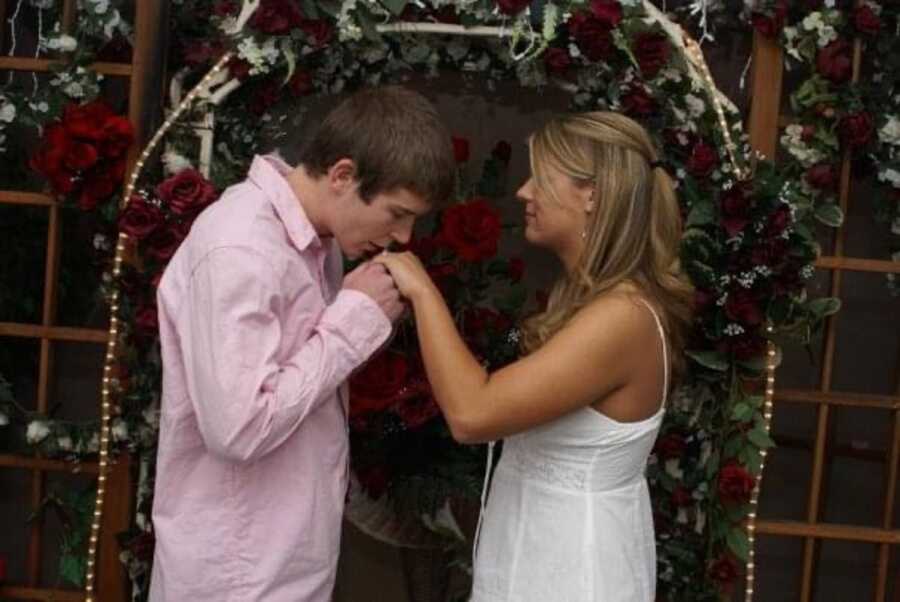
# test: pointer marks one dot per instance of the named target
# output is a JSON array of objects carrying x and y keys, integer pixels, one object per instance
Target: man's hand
[{"x": 373, "y": 279}]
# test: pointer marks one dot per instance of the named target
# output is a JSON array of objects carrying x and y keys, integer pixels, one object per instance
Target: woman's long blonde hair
[{"x": 634, "y": 231}]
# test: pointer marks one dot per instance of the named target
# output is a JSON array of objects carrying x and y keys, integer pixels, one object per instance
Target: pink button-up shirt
[{"x": 257, "y": 340}]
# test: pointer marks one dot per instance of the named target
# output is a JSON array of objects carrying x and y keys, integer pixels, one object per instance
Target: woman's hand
[{"x": 410, "y": 276}]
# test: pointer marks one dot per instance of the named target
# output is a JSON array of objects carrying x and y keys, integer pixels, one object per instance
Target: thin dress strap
[{"x": 665, "y": 350}]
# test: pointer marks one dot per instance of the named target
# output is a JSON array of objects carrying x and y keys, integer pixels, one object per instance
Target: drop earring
[{"x": 589, "y": 208}]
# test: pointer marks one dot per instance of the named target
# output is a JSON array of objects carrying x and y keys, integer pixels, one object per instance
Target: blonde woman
[{"x": 569, "y": 517}]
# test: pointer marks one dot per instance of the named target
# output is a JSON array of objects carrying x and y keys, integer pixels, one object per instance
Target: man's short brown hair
[{"x": 394, "y": 136}]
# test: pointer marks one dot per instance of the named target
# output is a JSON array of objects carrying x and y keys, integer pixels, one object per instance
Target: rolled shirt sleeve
[{"x": 248, "y": 402}]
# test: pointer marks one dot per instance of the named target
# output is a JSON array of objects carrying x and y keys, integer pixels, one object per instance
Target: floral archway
[{"x": 748, "y": 243}]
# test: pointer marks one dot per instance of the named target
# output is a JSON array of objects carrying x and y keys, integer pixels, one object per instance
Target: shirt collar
[{"x": 269, "y": 173}]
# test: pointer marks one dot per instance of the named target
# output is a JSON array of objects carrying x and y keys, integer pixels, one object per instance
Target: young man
[{"x": 258, "y": 335}]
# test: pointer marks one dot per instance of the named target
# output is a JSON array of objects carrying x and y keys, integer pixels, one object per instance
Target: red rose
[
  {"x": 301, "y": 83},
  {"x": 264, "y": 97},
  {"x": 735, "y": 484},
  {"x": 460, "y": 149},
  {"x": 591, "y": 35},
  {"x": 423, "y": 247},
  {"x": 834, "y": 62},
  {"x": 512, "y": 7},
  {"x": 670, "y": 446},
  {"x": 87, "y": 121},
  {"x": 479, "y": 320},
  {"x": 239, "y": 68},
  {"x": 609, "y": 12},
  {"x": 682, "y": 497},
  {"x": 442, "y": 275},
  {"x": 276, "y": 17},
  {"x": 319, "y": 30},
  {"x": 557, "y": 60},
  {"x": 735, "y": 205},
  {"x": 146, "y": 322},
  {"x": 770, "y": 252},
  {"x": 865, "y": 20},
  {"x": 703, "y": 299},
  {"x": 471, "y": 229},
  {"x": 81, "y": 156},
  {"x": 741, "y": 306},
  {"x": 377, "y": 385},
  {"x": 724, "y": 572},
  {"x": 652, "y": 52},
  {"x": 855, "y": 129},
  {"x": 197, "y": 54},
  {"x": 771, "y": 25},
  {"x": 140, "y": 218},
  {"x": 516, "y": 269},
  {"x": 743, "y": 347},
  {"x": 54, "y": 148},
  {"x": 226, "y": 8},
  {"x": 638, "y": 102},
  {"x": 502, "y": 151},
  {"x": 117, "y": 136},
  {"x": 822, "y": 176},
  {"x": 779, "y": 220},
  {"x": 417, "y": 411},
  {"x": 163, "y": 242},
  {"x": 187, "y": 192},
  {"x": 98, "y": 187},
  {"x": 703, "y": 160}
]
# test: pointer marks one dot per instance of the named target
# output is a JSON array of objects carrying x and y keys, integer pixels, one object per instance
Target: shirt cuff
[{"x": 362, "y": 322}]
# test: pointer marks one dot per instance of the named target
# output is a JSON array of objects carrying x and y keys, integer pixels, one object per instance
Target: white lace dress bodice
[{"x": 568, "y": 518}]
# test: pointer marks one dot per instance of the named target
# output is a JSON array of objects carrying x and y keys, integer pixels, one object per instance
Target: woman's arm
[{"x": 584, "y": 362}]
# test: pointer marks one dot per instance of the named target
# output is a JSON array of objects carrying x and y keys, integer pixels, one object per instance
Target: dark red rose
[
  {"x": 415, "y": 412},
  {"x": 140, "y": 218},
  {"x": 670, "y": 446},
  {"x": 301, "y": 83},
  {"x": 146, "y": 322},
  {"x": 471, "y": 229},
  {"x": 855, "y": 129},
  {"x": 264, "y": 97},
  {"x": 703, "y": 299},
  {"x": 54, "y": 148},
  {"x": 703, "y": 160},
  {"x": 822, "y": 176},
  {"x": 87, "y": 121},
  {"x": 770, "y": 25},
  {"x": 423, "y": 247},
  {"x": 724, "y": 572},
  {"x": 743, "y": 347},
  {"x": 511, "y": 7},
  {"x": 98, "y": 186},
  {"x": 163, "y": 242},
  {"x": 835, "y": 61},
  {"x": 187, "y": 192},
  {"x": 682, "y": 497},
  {"x": 637, "y": 102},
  {"x": 81, "y": 156},
  {"x": 591, "y": 35},
  {"x": 808, "y": 133},
  {"x": 735, "y": 484},
  {"x": 374, "y": 479},
  {"x": 276, "y": 17},
  {"x": 770, "y": 253},
  {"x": 319, "y": 30},
  {"x": 200, "y": 53},
  {"x": 557, "y": 60},
  {"x": 442, "y": 275},
  {"x": 516, "y": 269},
  {"x": 117, "y": 137},
  {"x": 117, "y": 50},
  {"x": 480, "y": 320},
  {"x": 226, "y": 8},
  {"x": 460, "y": 149},
  {"x": 378, "y": 384},
  {"x": 608, "y": 12},
  {"x": 865, "y": 20},
  {"x": 239, "y": 68},
  {"x": 741, "y": 306},
  {"x": 779, "y": 220},
  {"x": 735, "y": 207},
  {"x": 652, "y": 52},
  {"x": 502, "y": 151}
]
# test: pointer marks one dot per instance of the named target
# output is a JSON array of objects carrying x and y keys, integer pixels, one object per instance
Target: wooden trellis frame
[
  {"x": 765, "y": 122},
  {"x": 144, "y": 74}
]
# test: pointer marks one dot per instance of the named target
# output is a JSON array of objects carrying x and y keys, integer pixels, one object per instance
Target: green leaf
[
  {"x": 71, "y": 569},
  {"x": 741, "y": 412},
  {"x": 829, "y": 214},
  {"x": 825, "y": 306},
  {"x": 395, "y": 6},
  {"x": 709, "y": 359},
  {"x": 310, "y": 10},
  {"x": 701, "y": 214},
  {"x": 739, "y": 543},
  {"x": 760, "y": 438}
]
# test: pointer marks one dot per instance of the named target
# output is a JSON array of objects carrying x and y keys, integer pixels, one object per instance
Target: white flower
[
  {"x": 64, "y": 443},
  {"x": 813, "y": 21},
  {"x": 890, "y": 132},
  {"x": 101, "y": 6},
  {"x": 4, "y": 419},
  {"x": 63, "y": 42},
  {"x": 175, "y": 162},
  {"x": 733, "y": 329},
  {"x": 695, "y": 105},
  {"x": 827, "y": 35},
  {"x": 890, "y": 175},
  {"x": 700, "y": 522},
  {"x": 7, "y": 112},
  {"x": 682, "y": 516},
  {"x": 119, "y": 430},
  {"x": 151, "y": 416},
  {"x": 673, "y": 468},
  {"x": 74, "y": 89},
  {"x": 37, "y": 431}
]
